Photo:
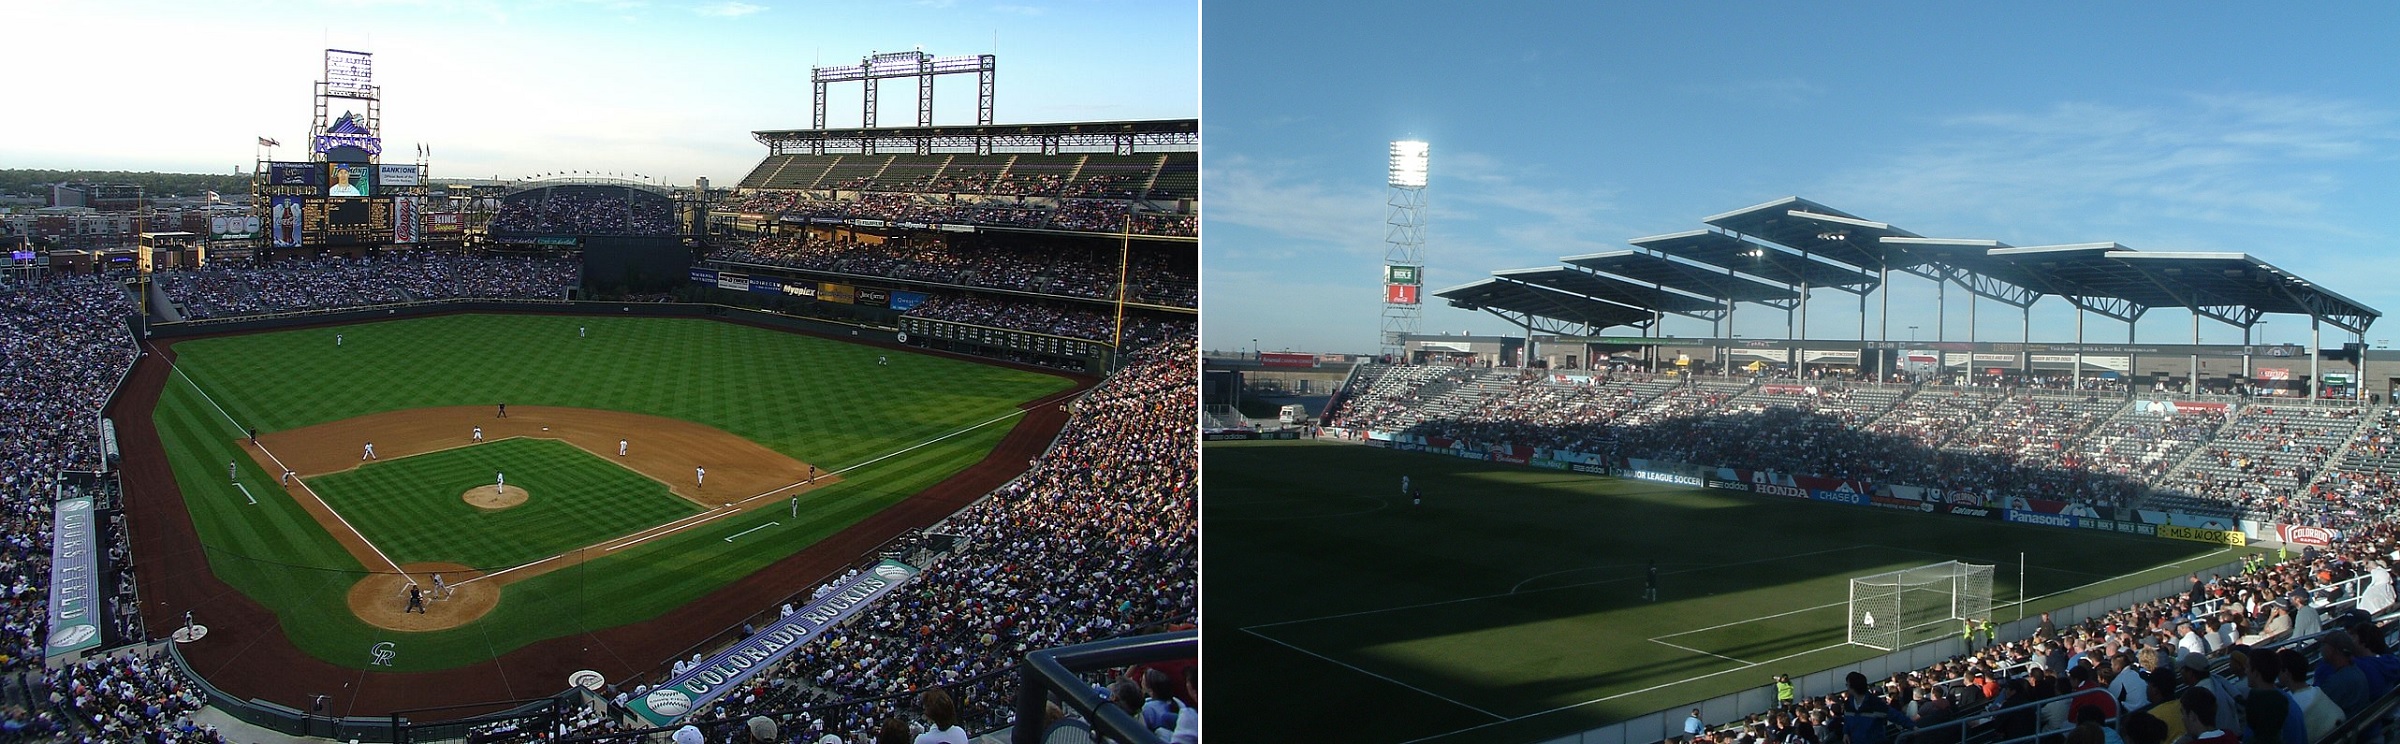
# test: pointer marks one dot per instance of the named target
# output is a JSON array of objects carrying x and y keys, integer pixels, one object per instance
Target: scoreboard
[{"x": 346, "y": 220}]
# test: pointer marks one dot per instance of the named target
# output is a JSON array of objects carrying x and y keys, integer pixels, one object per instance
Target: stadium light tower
[{"x": 1404, "y": 249}]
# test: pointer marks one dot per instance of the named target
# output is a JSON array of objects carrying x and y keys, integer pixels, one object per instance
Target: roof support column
[
  {"x": 2246, "y": 381},
  {"x": 2195, "y": 354},
  {"x": 1884, "y": 316},
  {"x": 1799, "y": 359},
  {"x": 2077, "y": 379},
  {"x": 1941, "y": 313},
  {"x": 2316, "y": 353},
  {"x": 2027, "y": 348}
]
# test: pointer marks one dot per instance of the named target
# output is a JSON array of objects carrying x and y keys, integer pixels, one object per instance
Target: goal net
[{"x": 1903, "y": 608}]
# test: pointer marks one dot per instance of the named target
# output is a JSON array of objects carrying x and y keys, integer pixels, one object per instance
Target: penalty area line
[
  {"x": 1652, "y": 688},
  {"x": 1331, "y": 660}
]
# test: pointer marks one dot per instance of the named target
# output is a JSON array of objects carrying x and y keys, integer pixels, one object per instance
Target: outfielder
[
  {"x": 230, "y": 474},
  {"x": 337, "y": 339},
  {"x": 479, "y": 434},
  {"x": 882, "y": 361},
  {"x": 369, "y": 454},
  {"x": 579, "y": 331}
]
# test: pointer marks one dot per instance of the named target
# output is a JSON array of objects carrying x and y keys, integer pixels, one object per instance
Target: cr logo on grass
[{"x": 383, "y": 652}]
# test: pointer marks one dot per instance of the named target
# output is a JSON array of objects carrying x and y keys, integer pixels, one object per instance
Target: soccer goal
[{"x": 1902, "y": 608}]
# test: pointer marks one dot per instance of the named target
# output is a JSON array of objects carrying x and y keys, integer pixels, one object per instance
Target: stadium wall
[
  {"x": 1667, "y": 723},
  {"x": 439, "y": 307}
]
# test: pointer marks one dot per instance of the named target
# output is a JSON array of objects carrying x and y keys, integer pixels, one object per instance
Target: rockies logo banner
[
  {"x": 703, "y": 684},
  {"x": 74, "y": 578}
]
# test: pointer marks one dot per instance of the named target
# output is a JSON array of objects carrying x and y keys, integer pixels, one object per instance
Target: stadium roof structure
[
  {"x": 1612, "y": 289},
  {"x": 1762, "y": 253},
  {"x": 1540, "y": 308},
  {"x": 1765, "y": 262},
  {"x": 1819, "y": 230},
  {"x": 1706, "y": 281},
  {"x": 1111, "y": 137}
]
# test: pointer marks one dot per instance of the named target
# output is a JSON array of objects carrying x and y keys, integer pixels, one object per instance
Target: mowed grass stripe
[{"x": 413, "y": 508}]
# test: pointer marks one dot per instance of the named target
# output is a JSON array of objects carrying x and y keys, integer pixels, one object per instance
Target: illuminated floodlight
[{"x": 1408, "y": 164}]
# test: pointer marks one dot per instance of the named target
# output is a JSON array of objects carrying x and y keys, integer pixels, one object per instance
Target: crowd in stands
[
  {"x": 585, "y": 210},
  {"x": 1150, "y": 277},
  {"x": 1055, "y": 319},
  {"x": 238, "y": 288},
  {"x": 1098, "y": 540},
  {"x": 64, "y": 346},
  {"x": 2099, "y": 454},
  {"x": 2131, "y": 675},
  {"x": 1101, "y": 215}
]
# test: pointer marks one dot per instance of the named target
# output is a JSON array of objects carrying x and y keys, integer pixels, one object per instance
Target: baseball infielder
[
  {"x": 620, "y": 448},
  {"x": 700, "y": 477},
  {"x": 287, "y": 477},
  {"x": 479, "y": 434},
  {"x": 369, "y": 454}
]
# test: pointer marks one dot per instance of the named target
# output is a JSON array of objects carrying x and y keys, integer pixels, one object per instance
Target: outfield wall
[
  {"x": 559, "y": 307},
  {"x": 1667, "y": 723}
]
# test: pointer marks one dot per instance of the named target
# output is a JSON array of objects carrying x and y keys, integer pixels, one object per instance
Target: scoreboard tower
[
  {"x": 1404, "y": 251},
  {"x": 343, "y": 195}
]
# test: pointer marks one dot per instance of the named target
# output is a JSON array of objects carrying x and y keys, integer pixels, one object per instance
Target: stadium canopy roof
[
  {"x": 1819, "y": 230},
  {"x": 1765, "y": 262},
  {"x": 1615, "y": 290},
  {"x": 1542, "y": 308},
  {"x": 1642, "y": 266}
]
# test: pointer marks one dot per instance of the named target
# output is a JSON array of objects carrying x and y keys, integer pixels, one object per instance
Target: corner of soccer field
[
  {"x": 892, "y": 432},
  {"x": 1508, "y": 607}
]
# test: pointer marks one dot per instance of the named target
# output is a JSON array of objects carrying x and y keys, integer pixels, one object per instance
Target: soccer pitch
[
  {"x": 889, "y": 431},
  {"x": 1508, "y": 607}
]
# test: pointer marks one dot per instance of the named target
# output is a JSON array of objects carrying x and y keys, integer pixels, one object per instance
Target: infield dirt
[{"x": 742, "y": 475}]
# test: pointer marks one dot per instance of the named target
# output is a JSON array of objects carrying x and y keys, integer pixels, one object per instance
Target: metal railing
[{"x": 1053, "y": 670}]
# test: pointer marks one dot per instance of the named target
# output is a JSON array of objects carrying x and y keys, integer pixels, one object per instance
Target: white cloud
[{"x": 730, "y": 9}]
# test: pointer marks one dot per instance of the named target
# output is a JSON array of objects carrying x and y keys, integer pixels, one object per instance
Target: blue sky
[
  {"x": 511, "y": 88},
  {"x": 2271, "y": 130}
]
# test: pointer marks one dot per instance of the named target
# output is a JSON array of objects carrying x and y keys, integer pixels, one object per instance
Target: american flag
[{"x": 266, "y": 142}]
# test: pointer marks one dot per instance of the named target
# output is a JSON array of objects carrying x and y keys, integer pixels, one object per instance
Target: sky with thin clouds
[
  {"x": 1560, "y": 130},
  {"x": 513, "y": 88}
]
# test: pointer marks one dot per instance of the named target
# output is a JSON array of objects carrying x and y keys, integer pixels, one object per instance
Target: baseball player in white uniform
[
  {"x": 700, "y": 477},
  {"x": 620, "y": 448},
  {"x": 479, "y": 434},
  {"x": 230, "y": 475},
  {"x": 440, "y": 590},
  {"x": 499, "y": 482},
  {"x": 369, "y": 454}
]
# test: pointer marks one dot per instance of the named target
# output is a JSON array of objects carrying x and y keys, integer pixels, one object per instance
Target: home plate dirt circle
[
  {"x": 381, "y": 599},
  {"x": 494, "y": 499}
]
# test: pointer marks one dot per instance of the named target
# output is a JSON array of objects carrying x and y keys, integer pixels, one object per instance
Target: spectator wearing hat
[
  {"x": 690, "y": 735},
  {"x": 761, "y": 729},
  {"x": 2221, "y": 711}
]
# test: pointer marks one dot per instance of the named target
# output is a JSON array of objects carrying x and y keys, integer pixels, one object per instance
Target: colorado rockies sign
[
  {"x": 74, "y": 579},
  {"x": 703, "y": 683}
]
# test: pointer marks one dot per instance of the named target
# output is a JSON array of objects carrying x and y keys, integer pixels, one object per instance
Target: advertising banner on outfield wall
[
  {"x": 766, "y": 286},
  {"x": 725, "y": 672},
  {"x": 2305, "y": 535},
  {"x": 74, "y": 582},
  {"x": 842, "y": 293},
  {"x": 905, "y": 301},
  {"x": 2195, "y": 534},
  {"x": 872, "y": 297},
  {"x": 2046, "y": 520},
  {"x": 733, "y": 281},
  {"x": 704, "y": 276}
]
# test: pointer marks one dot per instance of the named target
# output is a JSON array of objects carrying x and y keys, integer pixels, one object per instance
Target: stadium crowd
[
  {"x": 585, "y": 210},
  {"x": 1046, "y": 269},
  {"x": 232, "y": 289},
  {"x": 1102, "y": 215},
  {"x": 64, "y": 346},
  {"x": 2101, "y": 454},
  {"x": 1097, "y": 540},
  {"x": 2142, "y": 666},
  {"x": 1057, "y": 320}
]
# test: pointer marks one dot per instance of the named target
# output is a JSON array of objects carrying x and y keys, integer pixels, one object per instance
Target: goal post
[{"x": 1895, "y": 609}]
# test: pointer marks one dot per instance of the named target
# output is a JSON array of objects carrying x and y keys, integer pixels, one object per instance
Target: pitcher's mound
[
  {"x": 382, "y": 599},
  {"x": 494, "y": 499}
]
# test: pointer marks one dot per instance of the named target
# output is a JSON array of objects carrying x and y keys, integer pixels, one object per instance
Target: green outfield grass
[
  {"x": 411, "y": 507},
  {"x": 1508, "y": 607},
  {"x": 819, "y": 401}
]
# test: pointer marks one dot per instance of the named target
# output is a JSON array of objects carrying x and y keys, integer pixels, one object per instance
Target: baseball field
[
  {"x": 604, "y": 519},
  {"x": 1508, "y": 607}
]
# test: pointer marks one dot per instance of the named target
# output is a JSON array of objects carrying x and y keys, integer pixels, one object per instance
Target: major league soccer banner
[
  {"x": 74, "y": 575},
  {"x": 702, "y": 684}
]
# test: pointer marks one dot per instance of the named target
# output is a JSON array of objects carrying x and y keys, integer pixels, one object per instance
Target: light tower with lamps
[{"x": 1404, "y": 247}]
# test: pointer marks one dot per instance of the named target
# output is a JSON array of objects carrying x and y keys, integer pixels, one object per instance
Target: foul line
[
  {"x": 1503, "y": 719},
  {"x": 688, "y": 522},
  {"x": 312, "y": 493},
  {"x": 729, "y": 538}
]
